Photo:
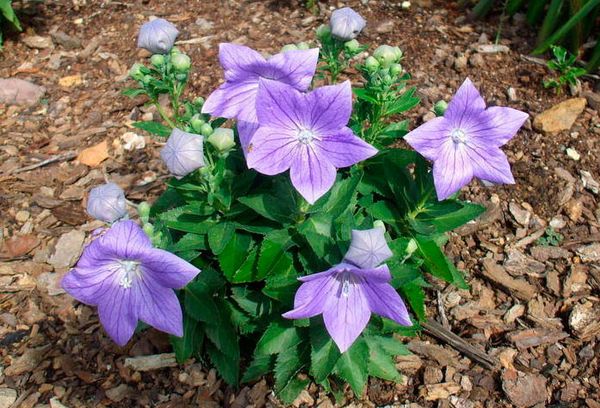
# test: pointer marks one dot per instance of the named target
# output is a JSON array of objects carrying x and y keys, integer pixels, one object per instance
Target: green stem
[{"x": 164, "y": 115}]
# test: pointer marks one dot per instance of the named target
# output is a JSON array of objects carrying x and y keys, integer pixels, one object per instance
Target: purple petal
[
  {"x": 233, "y": 100},
  {"x": 343, "y": 148},
  {"x": 368, "y": 248},
  {"x": 311, "y": 173},
  {"x": 272, "y": 150},
  {"x": 331, "y": 107},
  {"x": 240, "y": 62},
  {"x": 466, "y": 103},
  {"x": 490, "y": 163},
  {"x": 385, "y": 301},
  {"x": 497, "y": 125},
  {"x": 281, "y": 106},
  {"x": 347, "y": 311},
  {"x": 452, "y": 170},
  {"x": 118, "y": 313},
  {"x": 167, "y": 269},
  {"x": 428, "y": 138},
  {"x": 312, "y": 296},
  {"x": 246, "y": 131},
  {"x": 295, "y": 67},
  {"x": 89, "y": 285},
  {"x": 124, "y": 240},
  {"x": 159, "y": 307},
  {"x": 380, "y": 274}
]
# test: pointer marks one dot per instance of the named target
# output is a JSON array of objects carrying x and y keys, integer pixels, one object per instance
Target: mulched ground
[{"x": 533, "y": 308}]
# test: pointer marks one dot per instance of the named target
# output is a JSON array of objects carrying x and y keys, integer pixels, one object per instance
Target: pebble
[
  {"x": 22, "y": 216},
  {"x": 385, "y": 27},
  {"x": 67, "y": 41},
  {"x": 491, "y": 48},
  {"x": 477, "y": 60},
  {"x": 589, "y": 182},
  {"x": 7, "y": 397},
  {"x": 37, "y": 41},
  {"x": 573, "y": 154},
  {"x": 14, "y": 91},
  {"x": 511, "y": 93},
  {"x": 460, "y": 63},
  {"x": 559, "y": 117},
  {"x": 204, "y": 24},
  {"x": 133, "y": 141}
]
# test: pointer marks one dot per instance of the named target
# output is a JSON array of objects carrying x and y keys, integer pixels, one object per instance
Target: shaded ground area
[{"x": 534, "y": 308}]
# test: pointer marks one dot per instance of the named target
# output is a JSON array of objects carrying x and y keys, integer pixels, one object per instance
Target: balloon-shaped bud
[
  {"x": 352, "y": 46},
  {"x": 346, "y": 23},
  {"x": 206, "y": 129},
  {"x": 107, "y": 203},
  {"x": 371, "y": 64},
  {"x": 386, "y": 55},
  {"x": 181, "y": 62},
  {"x": 136, "y": 71},
  {"x": 222, "y": 139},
  {"x": 183, "y": 153},
  {"x": 158, "y": 60},
  {"x": 439, "y": 108},
  {"x": 157, "y": 36},
  {"x": 323, "y": 31}
]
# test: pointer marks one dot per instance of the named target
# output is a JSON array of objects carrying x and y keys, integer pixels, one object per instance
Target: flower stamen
[
  {"x": 130, "y": 270},
  {"x": 458, "y": 136}
]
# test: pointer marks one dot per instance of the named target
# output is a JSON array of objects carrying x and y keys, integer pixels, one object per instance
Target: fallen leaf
[
  {"x": 70, "y": 81},
  {"x": 93, "y": 156}
]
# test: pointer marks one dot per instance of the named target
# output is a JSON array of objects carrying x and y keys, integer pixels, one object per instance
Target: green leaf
[
  {"x": 287, "y": 384},
  {"x": 365, "y": 95},
  {"x": 260, "y": 365},
  {"x": 235, "y": 254},
  {"x": 191, "y": 341},
  {"x": 282, "y": 286},
  {"x": 132, "y": 92},
  {"x": 189, "y": 242},
  {"x": 352, "y": 366},
  {"x": 437, "y": 264},
  {"x": 405, "y": 102},
  {"x": 227, "y": 365},
  {"x": 219, "y": 236},
  {"x": 447, "y": 215},
  {"x": 272, "y": 254},
  {"x": 154, "y": 128},
  {"x": 317, "y": 229},
  {"x": 278, "y": 205},
  {"x": 247, "y": 271},
  {"x": 381, "y": 357},
  {"x": 385, "y": 211},
  {"x": 279, "y": 337},
  {"x": 251, "y": 301},
  {"x": 324, "y": 353},
  {"x": 9, "y": 14},
  {"x": 221, "y": 332},
  {"x": 339, "y": 198},
  {"x": 200, "y": 304}
]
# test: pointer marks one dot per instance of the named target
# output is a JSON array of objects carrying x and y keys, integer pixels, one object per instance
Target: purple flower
[
  {"x": 346, "y": 23},
  {"x": 368, "y": 248},
  {"x": 183, "y": 153},
  {"x": 346, "y": 296},
  {"x": 465, "y": 142},
  {"x": 243, "y": 66},
  {"x": 157, "y": 36},
  {"x": 129, "y": 280},
  {"x": 107, "y": 203},
  {"x": 305, "y": 133}
]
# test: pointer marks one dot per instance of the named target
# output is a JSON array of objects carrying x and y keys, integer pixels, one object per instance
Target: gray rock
[
  {"x": 7, "y": 397},
  {"x": 593, "y": 99},
  {"x": 69, "y": 42},
  {"x": 67, "y": 249},
  {"x": 477, "y": 60},
  {"x": 14, "y": 91},
  {"x": 460, "y": 63},
  {"x": 491, "y": 48},
  {"x": 204, "y": 24},
  {"x": 37, "y": 42}
]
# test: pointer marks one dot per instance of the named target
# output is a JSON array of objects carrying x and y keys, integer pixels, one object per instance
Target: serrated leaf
[
  {"x": 227, "y": 365},
  {"x": 219, "y": 236},
  {"x": 405, "y": 102},
  {"x": 154, "y": 128},
  {"x": 352, "y": 366},
  {"x": 437, "y": 264},
  {"x": 272, "y": 253},
  {"x": 184, "y": 347},
  {"x": 282, "y": 286},
  {"x": 324, "y": 353},
  {"x": 381, "y": 357},
  {"x": 415, "y": 296},
  {"x": 260, "y": 365},
  {"x": 234, "y": 254},
  {"x": 189, "y": 242},
  {"x": 278, "y": 338},
  {"x": 251, "y": 301},
  {"x": 447, "y": 215}
]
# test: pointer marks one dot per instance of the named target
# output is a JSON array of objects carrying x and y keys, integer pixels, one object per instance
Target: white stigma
[
  {"x": 130, "y": 270},
  {"x": 458, "y": 136},
  {"x": 305, "y": 136}
]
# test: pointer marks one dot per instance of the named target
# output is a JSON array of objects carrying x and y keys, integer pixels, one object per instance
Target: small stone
[
  {"x": 558, "y": 222},
  {"x": 70, "y": 81},
  {"x": 589, "y": 182},
  {"x": 67, "y": 41},
  {"x": 460, "y": 63},
  {"x": 22, "y": 216},
  {"x": 491, "y": 48},
  {"x": 559, "y": 117},
  {"x": 511, "y": 93},
  {"x": 204, "y": 24},
  {"x": 593, "y": 99},
  {"x": 385, "y": 27},
  {"x": 37, "y": 41},
  {"x": 67, "y": 249},
  {"x": 583, "y": 320},
  {"x": 7, "y": 397},
  {"x": 14, "y": 91},
  {"x": 523, "y": 389},
  {"x": 477, "y": 60},
  {"x": 133, "y": 141},
  {"x": 521, "y": 215},
  {"x": 573, "y": 154},
  {"x": 589, "y": 253},
  {"x": 119, "y": 393}
]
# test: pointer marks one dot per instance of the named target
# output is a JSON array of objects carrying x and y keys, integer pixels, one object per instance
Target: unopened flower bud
[
  {"x": 157, "y": 60},
  {"x": 148, "y": 229},
  {"x": 157, "y": 36},
  {"x": 405, "y": 5},
  {"x": 107, "y": 203},
  {"x": 183, "y": 153},
  {"x": 411, "y": 247},
  {"x": 175, "y": 51},
  {"x": 206, "y": 129},
  {"x": 378, "y": 224},
  {"x": 303, "y": 45},
  {"x": 199, "y": 101},
  {"x": 144, "y": 210},
  {"x": 181, "y": 62},
  {"x": 346, "y": 23},
  {"x": 371, "y": 64},
  {"x": 395, "y": 69},
  {"x": 439, "y": 108},
  {"x": 352, "y": 46},
  {"x": 323, "y": 31},
  {"x": 196, "y": 122},
  {"x": 399, "y": 53},
  {"x": 386, "y": 55},
  {"x": 136, "y": 71},
  {"x": 147, "y": 79},
  {"x": 289, "y": 47},
  {"x": 222, "y": 139}
]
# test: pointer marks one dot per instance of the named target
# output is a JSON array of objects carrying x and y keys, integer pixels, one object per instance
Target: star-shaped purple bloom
[
  {"x": 243, "y": 66},
  {"x": 465, "y": 142},
  {"x": 305, "y": 133},
  {"x": 129, "y": 280},
  {"x": 348, "y": 293}
]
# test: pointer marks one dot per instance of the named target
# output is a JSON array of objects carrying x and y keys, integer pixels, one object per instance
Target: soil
[{"x": 532, "y": 308}]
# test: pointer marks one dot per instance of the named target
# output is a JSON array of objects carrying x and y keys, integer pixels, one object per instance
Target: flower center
[
  {"x": 458, "y": 136},
  {"x": 347, "y": 279},
  {"x": 130, "y": 270},
  {"x": 305, "y": 136}
]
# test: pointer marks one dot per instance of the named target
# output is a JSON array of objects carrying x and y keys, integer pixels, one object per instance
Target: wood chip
[
  {"x": 534, "y": 337},
  {"x": 517, "y": 287},
  {"x": 153, "y": 362},
  {"x": 524, "y": 390},
  {"x": 441, "y": 391}
]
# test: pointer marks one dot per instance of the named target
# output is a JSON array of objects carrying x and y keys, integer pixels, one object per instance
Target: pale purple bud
[
  {"x": 107, "y": 203},
  {"x": 157, "y": 36},
  {"x": 346, "y": 23},
  {"x": 183, "y": 153}
]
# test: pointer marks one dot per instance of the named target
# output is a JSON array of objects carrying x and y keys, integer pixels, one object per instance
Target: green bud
[
  {"x": 144, "y": 210},
  {"x": 399, "y": 53},
  {"x": 439, "y": 108},
  {"x": 206, "y": 130},
  {"x": 411, "y": 247},
  {"x": 222, "y": 139},
  {"x": 136, "y": 71},
  {"x": 157, "y": 60},
  {"x": 323, "y": 31},
  {"x": 148, "y": 229},
  {"x": 371, "y": 64},
  {"x": 352, "y": 46},
  {"x": 289, "y": 47},
  {"x": 147, "y": 79},
  {"x": 378, "y": 224},
  {"x": 196, "y": 122},
  {"x": 386, "y": 55},
  {"x": 181, "y": 62},
  {"x": 199, "y": 101},
  {"x": 303, "y": 45},
  {"x": 395, "y": 69},
  {"x": 387, "y": 78},
  {"x": 175, "y": 51}
]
